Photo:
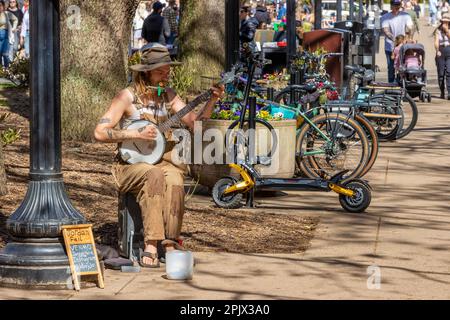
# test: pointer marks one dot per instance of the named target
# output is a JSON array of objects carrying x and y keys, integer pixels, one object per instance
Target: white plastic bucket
[{"x": 179, "y": 265}]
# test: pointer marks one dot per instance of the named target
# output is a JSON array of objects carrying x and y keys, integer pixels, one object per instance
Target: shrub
[
  {"x": 18, "y": 71},
  {"x": 10, "y": 135}
]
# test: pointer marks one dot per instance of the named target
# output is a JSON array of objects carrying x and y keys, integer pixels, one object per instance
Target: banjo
[{"x": 151, "y": 151}]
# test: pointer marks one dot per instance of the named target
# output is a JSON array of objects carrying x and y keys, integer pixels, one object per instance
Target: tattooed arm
[{"x": 105, "y": 130}]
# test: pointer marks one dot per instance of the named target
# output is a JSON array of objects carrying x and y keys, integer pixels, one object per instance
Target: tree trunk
[
  {"x": 94, "y": 56},
  {"x": 202, "y": 38},
  {"x": 3, "y": 189}
]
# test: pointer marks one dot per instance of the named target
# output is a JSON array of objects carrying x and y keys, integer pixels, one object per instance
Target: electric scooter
[{"x": 228, "y": 192}]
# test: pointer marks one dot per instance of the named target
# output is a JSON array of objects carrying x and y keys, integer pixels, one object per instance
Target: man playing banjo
[{"x": 158, "y": 187}]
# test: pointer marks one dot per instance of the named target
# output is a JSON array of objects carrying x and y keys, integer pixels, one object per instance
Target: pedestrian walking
[
  {"x": 395, "y": 23},
  {"x": 156, "y": 28},
  {"x": 442, "y": 47},
  {"x": 416, "y": 8},
  {"x": 170, "y": 13},
  {"x": 25, "y": 30},
  {"x": 248, "y": 27},
  {"x": 138, "y": 23},
  {"x": 433, "y": 8},
  {"x": 8, "y": 24},
  {"x": 14, "y": 47},
  {"x": 409, "y": 10},
  {"x": 262, "y": 15}
]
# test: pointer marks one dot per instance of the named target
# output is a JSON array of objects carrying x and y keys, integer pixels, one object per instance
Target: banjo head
[{"x": 143, "y": 151}]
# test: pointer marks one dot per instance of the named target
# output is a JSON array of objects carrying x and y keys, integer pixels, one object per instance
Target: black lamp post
[
  {"x": 36, "y": 256},
  {"x": 317, "y": 14},
  {"x": 339, "y": 10},
  {"x": 231, "y": 32},
  {"x": 291, "y": 30}
]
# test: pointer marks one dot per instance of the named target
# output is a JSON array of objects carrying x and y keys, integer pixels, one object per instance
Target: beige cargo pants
[{"x": 159, "y": 190}]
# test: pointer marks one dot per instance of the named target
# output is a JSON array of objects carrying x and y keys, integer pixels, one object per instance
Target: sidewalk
[{"x": 405, "y": 234}]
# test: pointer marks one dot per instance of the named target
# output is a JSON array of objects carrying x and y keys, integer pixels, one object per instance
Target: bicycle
[{"x": 394, "y": 98}]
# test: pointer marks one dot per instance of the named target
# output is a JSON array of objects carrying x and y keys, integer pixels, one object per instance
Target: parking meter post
[
  {"x": 317, "y": 14},
  {"x": 291, "y": 31},
  {"x": 251, "y": 145},
  {"x": 270, "y": 93},
  {"x": 339, "y": 10}
]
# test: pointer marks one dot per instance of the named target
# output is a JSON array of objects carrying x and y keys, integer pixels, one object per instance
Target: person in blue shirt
[{"x": 281, "y": 10}]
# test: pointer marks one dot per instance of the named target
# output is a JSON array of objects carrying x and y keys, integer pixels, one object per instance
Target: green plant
[
  {"x": 181, "y": 80},
  {"x": 9, "y": 136},
  {"x": 18, "y": 71}
]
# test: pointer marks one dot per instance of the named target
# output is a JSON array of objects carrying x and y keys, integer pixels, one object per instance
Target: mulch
[{"x": 86, "y": 169}]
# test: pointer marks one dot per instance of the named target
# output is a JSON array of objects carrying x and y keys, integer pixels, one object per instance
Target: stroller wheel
[
  {"x": 422, "y": 97},
  {"x": 429, "y": 98}
]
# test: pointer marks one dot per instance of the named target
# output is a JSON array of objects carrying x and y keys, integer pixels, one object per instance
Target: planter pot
[{"x": 283, "y": 161}]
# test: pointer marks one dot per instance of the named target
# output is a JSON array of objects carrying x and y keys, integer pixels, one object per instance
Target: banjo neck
[{"x": 167, "y": 125}]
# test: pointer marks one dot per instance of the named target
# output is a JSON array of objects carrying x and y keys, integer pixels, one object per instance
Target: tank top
[
  {"x": 150, "y": 112},
  {"x": 444, "y": 40},
  {"x": 156, "y": 113}
]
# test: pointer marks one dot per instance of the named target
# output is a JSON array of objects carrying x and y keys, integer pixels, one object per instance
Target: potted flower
[{"x": 283, "y": 161}]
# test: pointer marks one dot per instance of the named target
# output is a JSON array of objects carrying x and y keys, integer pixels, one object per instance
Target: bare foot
[{"x": 152, "y": 249}]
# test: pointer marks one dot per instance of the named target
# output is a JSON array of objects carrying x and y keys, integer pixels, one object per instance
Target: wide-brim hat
[
  {"x": 445, "y": 17},
  {"x": 154, "y": 58}
]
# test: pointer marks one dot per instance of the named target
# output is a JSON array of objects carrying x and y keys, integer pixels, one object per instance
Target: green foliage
[
  {"x": 18, "y": 71},
  {"x": 9, "y": 136},
  {"x": 181, "y": 80}
]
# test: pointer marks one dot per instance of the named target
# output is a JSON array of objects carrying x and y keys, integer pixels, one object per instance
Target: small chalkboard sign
[{"x": 83, "y": 259}]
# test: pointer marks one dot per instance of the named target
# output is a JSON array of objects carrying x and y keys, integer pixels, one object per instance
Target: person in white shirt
[{"x": 25, "y": 31}]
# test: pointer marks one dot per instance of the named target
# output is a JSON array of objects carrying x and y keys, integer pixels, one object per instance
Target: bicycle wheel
[
  {"x": 266, "y": 138},
  {"x": 387, "y": 127},
  {"x": 411, "y": 115},
  {"x": 284, "y": 96},
  {"x": 334, "y": 143},
  {"x": 373, "y": 142},
  {"x": 408, "y": 110}
]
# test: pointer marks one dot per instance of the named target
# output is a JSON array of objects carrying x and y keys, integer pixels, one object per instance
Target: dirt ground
[{"x": 86, "y": 168}]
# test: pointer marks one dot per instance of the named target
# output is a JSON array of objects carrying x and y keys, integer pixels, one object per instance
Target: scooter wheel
[
  {"x": 231, "y": 201},
  {"x": 360, "y": 201}
]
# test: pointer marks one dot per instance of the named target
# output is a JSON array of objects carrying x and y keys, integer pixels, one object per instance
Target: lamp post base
[
  {"x": 35, "y": 264},
  {"x": 36, "y": 256}
]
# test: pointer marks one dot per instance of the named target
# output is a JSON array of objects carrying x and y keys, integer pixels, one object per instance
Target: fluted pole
[{"x": 36, "y": 255}]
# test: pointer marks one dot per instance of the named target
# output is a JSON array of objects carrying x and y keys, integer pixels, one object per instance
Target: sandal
[
  {"x": 153, "y": 256},
  {"x": 175, "y": 244}
]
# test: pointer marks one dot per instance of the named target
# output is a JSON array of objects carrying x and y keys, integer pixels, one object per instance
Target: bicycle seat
[
  {"x": 356, "y": 69},
  {"x": 384, "y": 84},
  {"x": 309, "y": 87}
]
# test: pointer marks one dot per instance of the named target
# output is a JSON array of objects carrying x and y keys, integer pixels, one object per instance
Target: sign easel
[{"x": 83, "y": 259}]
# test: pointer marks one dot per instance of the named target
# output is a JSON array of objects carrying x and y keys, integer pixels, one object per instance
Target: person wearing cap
[
  {"x": 442, "y": 47},
  {"x": 395, "y": 23},
  {"x": 248, "y": 26},
  {"x": 156, "y": 28},
  {"x": 158, "y": 188}
]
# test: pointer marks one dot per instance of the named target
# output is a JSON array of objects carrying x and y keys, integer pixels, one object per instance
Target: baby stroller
[{"x": 412, "y": 75}]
